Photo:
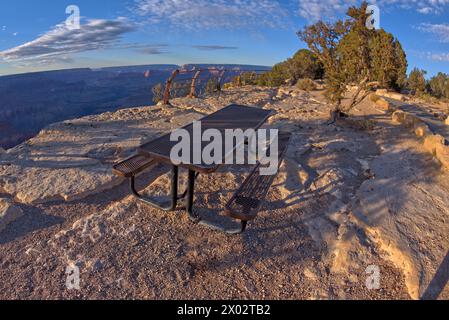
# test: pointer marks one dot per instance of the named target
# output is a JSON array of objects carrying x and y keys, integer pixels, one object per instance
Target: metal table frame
[{"x": 188, "y": 195}]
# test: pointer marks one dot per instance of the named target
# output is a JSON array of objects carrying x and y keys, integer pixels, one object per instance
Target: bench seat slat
[
  {"x": 132, "y": 166},
  {"x": 247, "y": 201}
]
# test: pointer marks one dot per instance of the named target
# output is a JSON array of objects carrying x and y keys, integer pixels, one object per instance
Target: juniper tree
[
  {"x": 323, "y": 39},
  {"x": 446, "y": 90},
  {"x": 439, "y": 84},
  {"x": 417, "y": 81},
  {"x": 303, "y": 65},
  {"x": 275, "y": 77},
  {"x": 388, "y": 60},
  {"x": 352, "y": 54},
  {"x": 211, "y": 86}
]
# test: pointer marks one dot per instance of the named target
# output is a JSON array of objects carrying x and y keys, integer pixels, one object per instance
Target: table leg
[
  {"x": 196, "y": 219},
  {"x": 171, "y": 204},
  {"x": 190, "y": 197}
]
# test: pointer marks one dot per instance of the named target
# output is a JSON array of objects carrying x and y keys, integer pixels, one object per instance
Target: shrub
[
  {"x": 417, "y": 81},
  {"x": 158, "y": 92},
  {"x": 180, "y": 89},
  {"x": 211, "y": 86},
  {"x": 304, "y": 64},
  {"x": 438, "y": 85},
  {"x": 374, "y": 97},
  {"x": 354, "y": 55},
  {"x": 306, "y": 85}
]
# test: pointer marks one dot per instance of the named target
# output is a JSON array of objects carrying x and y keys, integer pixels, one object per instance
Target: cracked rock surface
[{"x": 350, "y": 196}]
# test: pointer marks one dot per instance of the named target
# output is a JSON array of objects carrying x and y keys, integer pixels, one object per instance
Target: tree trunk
[{"x": 336, "y": 113}]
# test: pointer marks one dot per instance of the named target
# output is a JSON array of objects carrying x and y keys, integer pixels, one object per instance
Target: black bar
[
  {"x": 158, "y": 205},
  {"x": 190, "y": 197}
]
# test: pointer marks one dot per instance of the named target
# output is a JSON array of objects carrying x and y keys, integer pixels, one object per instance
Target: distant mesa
[{"x": 32, "y": 101}]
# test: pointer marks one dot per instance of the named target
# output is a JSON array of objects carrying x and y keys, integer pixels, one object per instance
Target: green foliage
[
  {"x": 322, "y": 39},
  {"x": 304, "y": 64},
  {"x": 438, "y": 86},
  {"x": 212, "y": 86},
  {"x": 306, "y": 85},
  {"x": 417, "y": 81},
  {"x": 158, "y": 92},
  {"x": 274, "y": 78},
  {"x": 248, "y": 78},
  {"x": 180, "y": 89},
  {"x": 353, "y": 54},
  {"x": 388, "y": 61},
  {"x": 374, "y": 97}
]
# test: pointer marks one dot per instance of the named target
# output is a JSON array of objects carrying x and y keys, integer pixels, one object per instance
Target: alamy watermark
[
  {"x": 373, "y": 20},
  {"x": 73, "y": 277},
  {"x": 73, "y": 21},
  {"x": 262, "y": 147},
  {"x": 372, "y": 282}
]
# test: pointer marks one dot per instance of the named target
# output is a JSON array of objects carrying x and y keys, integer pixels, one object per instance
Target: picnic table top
[{"x": 231, "y": 117}]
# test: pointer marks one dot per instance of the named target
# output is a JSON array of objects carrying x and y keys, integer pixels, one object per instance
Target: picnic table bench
[{"x": 247, "y": 200}]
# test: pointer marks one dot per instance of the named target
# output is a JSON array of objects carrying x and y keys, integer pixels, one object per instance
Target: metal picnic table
[{"x": 230, "y": 117}]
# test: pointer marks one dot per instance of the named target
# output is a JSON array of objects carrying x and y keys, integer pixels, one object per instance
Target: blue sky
[{"x": 34, "y": 36}]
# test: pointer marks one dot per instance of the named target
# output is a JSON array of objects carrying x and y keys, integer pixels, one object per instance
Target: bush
[
  {"x": 248, "y": 78},
  {"x": 274, "y": 78},
  {"x": 212, "y": 86},
  {"x": 304, "y": 64},
  {"x": 438, "y": 86},
  {"x": 158, "y": 92},
  {"x": 428, "y": 98},
  {"x": 417, "y": 81},
  {"x": 180, "y": 89},
  {"x": 374, "y": 97},
  {"x": 306, "y": 85}
]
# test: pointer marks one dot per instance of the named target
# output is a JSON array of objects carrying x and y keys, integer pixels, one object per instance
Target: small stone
[
  {"x": 422, "y": 130},
  {"x": 411, "y": 120},
  {"x": 432, "y": 142},
  {"x": 398, "y": 116},
  {"x": 97, "y": 266},
  {"x": 383, "y": 104},
  {"x": 309, "y": 274},
  {"x": 442, "y": 152},
  {"x": 9, "y": 212}
]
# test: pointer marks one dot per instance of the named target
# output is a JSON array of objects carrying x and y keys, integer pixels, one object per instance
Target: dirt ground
[{"x": 318, "y": 235}]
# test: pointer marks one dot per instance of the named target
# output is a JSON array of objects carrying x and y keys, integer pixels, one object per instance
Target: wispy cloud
[
  {"x": 439, "y": 57},
  {"x": 152, "y": 50},
  {"x": 201, "y": 15},
  {"x": 314, "y": 10},
  {"x": 213, "y": 47},
  {"x": 62, "y": 41},
  {"x": 434, "y": 56},
  {"x": 420, "y": 6},
  {"x": 441, "y": 31}
]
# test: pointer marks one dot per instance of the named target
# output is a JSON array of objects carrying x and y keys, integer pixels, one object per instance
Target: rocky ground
[{"x": 350, "y": 198}]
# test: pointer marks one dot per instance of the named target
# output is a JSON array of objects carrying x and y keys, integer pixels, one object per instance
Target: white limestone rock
[{"x": 9, "y": 212}]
